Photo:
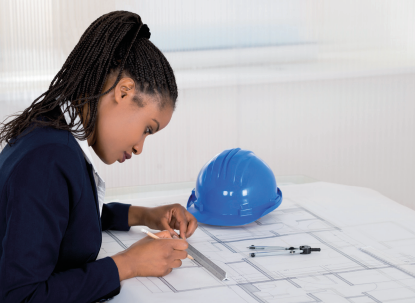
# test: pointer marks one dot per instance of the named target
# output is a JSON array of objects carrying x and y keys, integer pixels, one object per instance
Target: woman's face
[{"x": 122, "y": 126}]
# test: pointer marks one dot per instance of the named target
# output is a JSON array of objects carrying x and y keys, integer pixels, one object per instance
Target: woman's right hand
[{"x": 151, "y": 257}]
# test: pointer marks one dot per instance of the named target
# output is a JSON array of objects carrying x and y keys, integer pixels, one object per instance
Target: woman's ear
[{"x": 125, "y": 88}]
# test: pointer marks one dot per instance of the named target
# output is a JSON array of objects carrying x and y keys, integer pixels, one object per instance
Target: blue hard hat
[{"x": 234, "y": 188}]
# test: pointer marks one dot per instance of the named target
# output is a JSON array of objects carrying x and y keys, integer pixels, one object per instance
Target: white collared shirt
[{"x": 99, "y": 182}]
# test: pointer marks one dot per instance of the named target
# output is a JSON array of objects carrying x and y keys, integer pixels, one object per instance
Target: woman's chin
[{"x": 108, "y": 161}]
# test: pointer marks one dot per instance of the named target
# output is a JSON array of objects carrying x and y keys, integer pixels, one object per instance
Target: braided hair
[{"x": 117, "y": 42}]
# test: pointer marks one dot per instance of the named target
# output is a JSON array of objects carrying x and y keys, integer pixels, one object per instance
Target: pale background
[{"x": 323, "y": 88}]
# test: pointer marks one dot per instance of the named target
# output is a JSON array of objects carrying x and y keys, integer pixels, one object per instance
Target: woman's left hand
[{"x": 166, "y": 217}]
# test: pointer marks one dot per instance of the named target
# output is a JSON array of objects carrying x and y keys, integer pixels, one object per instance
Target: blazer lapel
[{"x": 94, "y": 189}]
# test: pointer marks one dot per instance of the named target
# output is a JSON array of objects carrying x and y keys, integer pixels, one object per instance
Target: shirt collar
[{"x": 82, "y": 143}]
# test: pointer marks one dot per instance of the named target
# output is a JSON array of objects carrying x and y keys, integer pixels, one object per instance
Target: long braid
[{"x": 115, "y": 42}]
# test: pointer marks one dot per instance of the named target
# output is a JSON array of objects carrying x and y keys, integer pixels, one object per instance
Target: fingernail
[{"x": 175, "y": 237}]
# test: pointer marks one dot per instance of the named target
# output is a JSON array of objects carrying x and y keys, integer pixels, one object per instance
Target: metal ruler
[
  {"x": 388, "y": 259},
  {"x": 206, "y": 263}
]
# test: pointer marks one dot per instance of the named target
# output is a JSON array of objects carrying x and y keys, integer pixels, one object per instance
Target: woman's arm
[
  {"x": 120, "y": 216},
  {"x": 165, "y": 217},
  {"x": 40, "y": 193},
  {"x": 115, "y": 216}
]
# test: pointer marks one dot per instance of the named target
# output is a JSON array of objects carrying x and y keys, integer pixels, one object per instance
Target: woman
[{"x": 114, "y": 90}]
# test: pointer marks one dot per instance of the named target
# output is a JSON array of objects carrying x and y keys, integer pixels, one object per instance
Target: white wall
[
  {"x": 341, "y": 114},
  {"x": 356, "y": 131},
  {"x": 352, "y": 25}
]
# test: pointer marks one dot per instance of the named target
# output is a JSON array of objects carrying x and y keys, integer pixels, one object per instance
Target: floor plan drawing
[{"x": 362, "y": 261}]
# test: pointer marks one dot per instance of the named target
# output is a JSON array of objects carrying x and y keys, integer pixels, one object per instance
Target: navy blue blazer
[{"x": 50, "y": 227}]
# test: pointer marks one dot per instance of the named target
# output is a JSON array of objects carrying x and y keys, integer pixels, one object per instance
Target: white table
[{"x": 367, "y": 242}]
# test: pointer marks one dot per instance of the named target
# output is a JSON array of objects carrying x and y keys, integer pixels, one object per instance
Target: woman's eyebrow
[{"x": 158, "y": 125}]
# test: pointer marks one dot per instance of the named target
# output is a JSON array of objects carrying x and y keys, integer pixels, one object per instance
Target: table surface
[{"x": 367, "y": 253}]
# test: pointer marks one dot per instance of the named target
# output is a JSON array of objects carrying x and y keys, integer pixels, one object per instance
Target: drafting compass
[{"x": 277, "y": 250}]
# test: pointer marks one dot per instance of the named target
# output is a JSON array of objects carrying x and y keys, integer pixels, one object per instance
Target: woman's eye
[{"x": 148, "y": 131}]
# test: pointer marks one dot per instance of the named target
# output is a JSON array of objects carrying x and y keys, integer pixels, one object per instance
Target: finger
[
  {"x": 173, "y": 223},
  {"x": 167, "y": 227},
  {"x": 174, "y": 234},
  {"x": 182, "y": 220},
  {"x": 179, "y": 220},
  {"x": 177, "y": 226},
  {"x": 176, "y": 263},
  {"x": 179, "y": 254},
  {"x": 179, "y": 244},
  {"x": 165, "y": 234},
  {"x": 191, "y": 226},
  {"x": 183, "y": 229}
]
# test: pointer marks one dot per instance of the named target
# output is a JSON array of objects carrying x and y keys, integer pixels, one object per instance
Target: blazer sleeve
[
  {"x": 40, "y": 193},
  {"x": 115, "y": 216}
]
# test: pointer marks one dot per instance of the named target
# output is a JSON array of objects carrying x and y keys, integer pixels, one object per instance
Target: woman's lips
[{"x": 125, "y": 156}]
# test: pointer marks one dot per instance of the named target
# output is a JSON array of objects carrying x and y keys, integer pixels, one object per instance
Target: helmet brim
[{"x": 213, "y": 219}]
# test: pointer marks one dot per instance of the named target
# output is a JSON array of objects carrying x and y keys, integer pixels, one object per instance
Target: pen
[{"x": 151, "y": 235}]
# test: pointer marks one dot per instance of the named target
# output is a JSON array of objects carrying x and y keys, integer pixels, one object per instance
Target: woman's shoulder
[
  {"x": 40, "y": 146},
  {"x": 42, "y": 137}
]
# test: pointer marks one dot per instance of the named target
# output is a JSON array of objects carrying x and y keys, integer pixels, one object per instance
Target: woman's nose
[{"x": 139, "y": 147}]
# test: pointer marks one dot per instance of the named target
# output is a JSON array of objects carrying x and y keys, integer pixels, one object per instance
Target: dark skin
[
  {"x": 151, "y": 257},
  {"x": 121, "y": 129}
]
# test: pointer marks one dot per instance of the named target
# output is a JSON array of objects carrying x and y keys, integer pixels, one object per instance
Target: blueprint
[{"x": 367, "y": 253}]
